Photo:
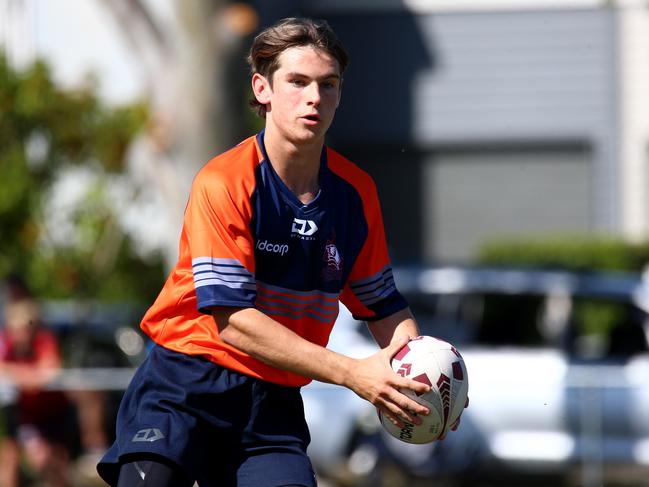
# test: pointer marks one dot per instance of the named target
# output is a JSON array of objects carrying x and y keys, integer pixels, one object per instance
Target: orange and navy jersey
[{"x": 247, "y": 241}]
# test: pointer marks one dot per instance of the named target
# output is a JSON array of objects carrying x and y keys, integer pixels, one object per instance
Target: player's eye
[{"x": 330, "y": 84}]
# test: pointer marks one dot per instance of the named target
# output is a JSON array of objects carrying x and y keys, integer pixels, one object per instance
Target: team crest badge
[{"x": 334, "y": 262}]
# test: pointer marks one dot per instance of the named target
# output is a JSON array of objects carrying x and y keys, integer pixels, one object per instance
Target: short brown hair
[{"x": 287, "y": 33}]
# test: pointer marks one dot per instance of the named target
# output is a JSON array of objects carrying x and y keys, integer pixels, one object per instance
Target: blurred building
[{"x": 482, "y": 118}]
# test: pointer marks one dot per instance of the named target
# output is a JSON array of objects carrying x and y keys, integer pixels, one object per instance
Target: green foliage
[
  {"x": 597, "y": 317},
  {"x": 46, "y": 131},
  {"x": 576, "y": 252}
]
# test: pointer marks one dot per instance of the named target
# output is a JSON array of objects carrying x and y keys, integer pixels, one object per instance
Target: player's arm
[
  {"x": 372, "y": 378},
  {"x": 399, "y": 326}
]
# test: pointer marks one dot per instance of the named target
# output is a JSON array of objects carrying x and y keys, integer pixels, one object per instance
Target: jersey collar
[{"x": 322, "y": 176}]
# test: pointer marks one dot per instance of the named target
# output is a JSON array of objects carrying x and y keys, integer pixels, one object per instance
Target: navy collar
[{"x": 288, "y": 194}]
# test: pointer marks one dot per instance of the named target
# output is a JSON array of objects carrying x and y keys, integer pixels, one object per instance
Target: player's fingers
[
  {"x": 408, "y": 405},
  {"x": 393, "y": 419},
  {"x": 417, "y": 387},
  {"x": 393, "y": 348},
  {"x": 453, "y": 427},
  {"x": 415, "y": 408},
  {"x": 400, "y": 416},
  {"x": 390, "y": 413},
  {"x": 403, "y": 407}
]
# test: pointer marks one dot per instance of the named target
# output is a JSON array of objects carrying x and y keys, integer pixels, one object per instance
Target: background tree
[
  {"x": 197, "y": 84},
  {"x": 49, "y": 136}
]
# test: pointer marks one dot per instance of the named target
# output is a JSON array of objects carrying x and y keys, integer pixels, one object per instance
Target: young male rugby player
[{"x": 276, "y": 231}]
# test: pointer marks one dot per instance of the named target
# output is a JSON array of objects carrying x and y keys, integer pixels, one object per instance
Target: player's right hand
[{"x": 374, "y": 380}]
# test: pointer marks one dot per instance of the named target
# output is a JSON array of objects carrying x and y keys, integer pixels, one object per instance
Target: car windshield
[
  {"x": 585, "y": 316},
  {"x": 584, "y": 327},
  {"x": 489, "y": 319}
]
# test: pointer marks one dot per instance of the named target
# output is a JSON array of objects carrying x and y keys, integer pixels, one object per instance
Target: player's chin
[
  {"x": 308, "y": 136},
  {"x": 318, "y": 128}
]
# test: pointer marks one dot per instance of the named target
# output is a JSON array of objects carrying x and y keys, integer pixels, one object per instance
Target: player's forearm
[
  {"x": 267, "y": 340},
  {"x": 393, "y": 327}
]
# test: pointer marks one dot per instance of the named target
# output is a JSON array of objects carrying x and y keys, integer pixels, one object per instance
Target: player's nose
[{"x": 313, "y": 94}]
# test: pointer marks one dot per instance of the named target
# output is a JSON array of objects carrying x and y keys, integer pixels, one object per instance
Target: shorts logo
[
  {"x": 148, "y": 434},
  {"x": 305, "y": 228},
  {"x": 273, "y": 248}
]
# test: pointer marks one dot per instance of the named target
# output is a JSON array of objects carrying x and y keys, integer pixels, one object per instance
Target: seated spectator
[{"x": 36, "y": 425}]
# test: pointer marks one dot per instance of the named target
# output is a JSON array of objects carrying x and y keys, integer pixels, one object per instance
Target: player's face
[{"x": 304, "y": 95}]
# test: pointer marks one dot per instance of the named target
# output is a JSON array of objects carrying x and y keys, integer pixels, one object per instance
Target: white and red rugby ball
[{"x": 438, "y": 364}]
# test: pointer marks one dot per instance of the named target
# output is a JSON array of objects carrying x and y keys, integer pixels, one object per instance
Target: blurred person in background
[
  {"x": 91, "y": 412},
  {"x": 37, "y": 422},
  {"x": 14, "y": 288}
]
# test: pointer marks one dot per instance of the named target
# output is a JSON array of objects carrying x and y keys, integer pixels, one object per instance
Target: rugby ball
[{"x": 438, "y": 364}]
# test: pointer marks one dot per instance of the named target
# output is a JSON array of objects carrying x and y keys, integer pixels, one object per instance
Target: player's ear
[{"x": 261, "y": 88}]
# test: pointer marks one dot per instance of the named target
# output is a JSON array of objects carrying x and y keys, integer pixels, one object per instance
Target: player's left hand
[{"x": 456, "y": 424}]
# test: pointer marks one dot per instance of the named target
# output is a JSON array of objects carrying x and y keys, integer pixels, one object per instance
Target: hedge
[{"x": 574, "y": 252}]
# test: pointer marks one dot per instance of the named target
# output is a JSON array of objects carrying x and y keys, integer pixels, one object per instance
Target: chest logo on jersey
[{"x": 303, "y": 229}]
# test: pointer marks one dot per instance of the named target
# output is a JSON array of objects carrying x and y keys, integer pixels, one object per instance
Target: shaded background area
[{"x": 374, "y": 124}]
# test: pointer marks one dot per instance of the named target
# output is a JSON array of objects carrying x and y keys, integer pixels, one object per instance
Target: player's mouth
[{"x": 311, "y": 119}]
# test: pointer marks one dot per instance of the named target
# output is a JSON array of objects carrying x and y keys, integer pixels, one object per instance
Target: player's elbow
[
  {"x": 228, "y": 326},
  {"x": 231, "y": 336}
]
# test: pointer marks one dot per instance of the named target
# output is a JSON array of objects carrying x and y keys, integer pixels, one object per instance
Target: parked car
[{"x": 558, "y": 382}]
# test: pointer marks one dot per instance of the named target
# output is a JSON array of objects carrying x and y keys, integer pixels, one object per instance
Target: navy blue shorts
[{"x": 221, "y": 428}]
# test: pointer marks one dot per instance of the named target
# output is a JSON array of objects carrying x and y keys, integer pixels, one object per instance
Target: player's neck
[{"x": 297, "y": 166}]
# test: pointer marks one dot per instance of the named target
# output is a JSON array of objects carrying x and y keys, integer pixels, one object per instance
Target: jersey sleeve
[
  {"x": 370, "y": 292},
  {"x": 220, "y": 243}
]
